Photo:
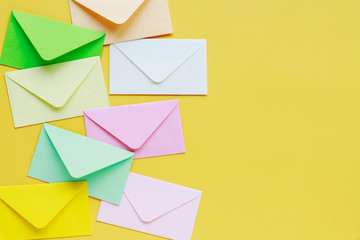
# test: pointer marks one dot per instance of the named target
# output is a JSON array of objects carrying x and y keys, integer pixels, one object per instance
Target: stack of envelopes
[{"x": 61, "y": 77}]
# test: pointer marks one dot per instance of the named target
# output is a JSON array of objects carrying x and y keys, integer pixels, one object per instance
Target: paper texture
[
  {"x": 122, "y": 20},
  {"x": 159, "y": 66},
  {"x": 148, "y": 129},
  {"x": 154, "y": 206},
  {"x": 56, "y": 91},
  {"x": 62, "y": 156},
  {"x": 44, "y": 211},
  {"x": 33, "y": 41}
]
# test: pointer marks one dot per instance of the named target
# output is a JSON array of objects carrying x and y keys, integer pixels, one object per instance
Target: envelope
[
  {"x": 44, "y": 211},
  {"x": 33, "y": 41},
  {"x": 159, "y": 66},
  {"x": 123, "y": 20},
  {"x": 56, "y": 91},
  {"x": 154, "y": 206},
  {"x": 148, "y": 129},
  {"x": 63, "y": 156}
]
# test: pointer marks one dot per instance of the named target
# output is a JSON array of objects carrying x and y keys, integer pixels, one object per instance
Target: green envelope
[
  {"x": 33, "y": 41},
  {"x": 63, "y": 156}
]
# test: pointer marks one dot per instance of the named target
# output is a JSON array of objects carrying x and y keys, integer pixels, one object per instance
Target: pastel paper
[
  {"x": 56, "y": 91},
  {"x": 159, "y": 66},
  {"x": 33, "y": 41},
  {"x": 63, "y": 156},
  {"x": 40, "y": 211},
  {"x": 122, "y": 20},
  {"x": 148, "y": 129},
  {"x": 154, "y": 206}
]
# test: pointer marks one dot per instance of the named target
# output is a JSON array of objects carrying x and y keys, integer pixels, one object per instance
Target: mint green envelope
[
  {"x": 33, "y": 41},
  {"x": 63, "y": 156}
]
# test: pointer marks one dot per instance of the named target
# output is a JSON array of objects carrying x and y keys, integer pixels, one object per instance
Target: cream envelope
[
  {"x": 148, "y": 129},
  {"x": 159, "y": 66},
  {"x": 123, "y": 20},
  {"x": 154, "y": 206},
  {"x": 56, "y": 91}
]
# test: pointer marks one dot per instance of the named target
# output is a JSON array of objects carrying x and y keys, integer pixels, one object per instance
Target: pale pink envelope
[
  {"x": 154, "y": 206},
  {"x": 148, "y": 129}
]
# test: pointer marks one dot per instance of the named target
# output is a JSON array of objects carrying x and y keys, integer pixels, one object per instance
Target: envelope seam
[
  {"x": 177, "y": 105},
  {"x": 52, "y": 218},
  {"x": 88, "y": 173},
  {"x": 68, "y": 98},
  {"x": 154, "y": 219},
  {"x": 47, "y": 60},
  {"x": 169, "y": 73},
  {"x": 117, "y": 23}
]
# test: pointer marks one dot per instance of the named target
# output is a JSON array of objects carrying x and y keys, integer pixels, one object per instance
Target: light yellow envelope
[
  {"x": 122, "y": 20},
  {"x": 44, "y": 211},
  {"x": 56, "y": 91}
]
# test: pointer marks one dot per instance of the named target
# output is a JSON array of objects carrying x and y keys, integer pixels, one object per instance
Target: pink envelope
[
  {"x": 148, "y": 129},
  {"x": 154, "y": 206}
]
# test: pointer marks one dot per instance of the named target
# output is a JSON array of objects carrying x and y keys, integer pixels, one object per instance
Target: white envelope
[
  {"x": 153, "y": 206},
  {"x": 159, "y": 66}
]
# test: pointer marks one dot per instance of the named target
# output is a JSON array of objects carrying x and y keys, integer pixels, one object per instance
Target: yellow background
[{"x": 275, "y": 144}]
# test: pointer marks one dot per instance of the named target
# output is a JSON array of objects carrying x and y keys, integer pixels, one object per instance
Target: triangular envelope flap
[
  {"x": 132, "y": 124},
  {"x": 82, "y": 155},
  {"x": 118, "y": 11},
  {"x": 52, "y": 38},
  {"x": 158, "y": 58},
  {"x": 55, "y": 83},
  {"x": 40, "y": 203},
  {"x": 152, "y": 198}
]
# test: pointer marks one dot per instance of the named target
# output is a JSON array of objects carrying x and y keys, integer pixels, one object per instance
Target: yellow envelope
[
  {"x": 123, "y": 20},
  {"x": 44, "y": 211},
  {"x": 56, "y": 91}
]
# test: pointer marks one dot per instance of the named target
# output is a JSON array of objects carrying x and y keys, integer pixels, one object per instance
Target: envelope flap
[
  {"x": 132, "y": 124},
  {"x": 39, "y": 204},
  {"x": 158, "y": 58},
  {"x": 118, "y": 11},
  {"x": 152, "y": 198},
  {"x": 82, "y": 155},
  {"x": 56, "y": 83},
  {"x": 52, "y": 38}
]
